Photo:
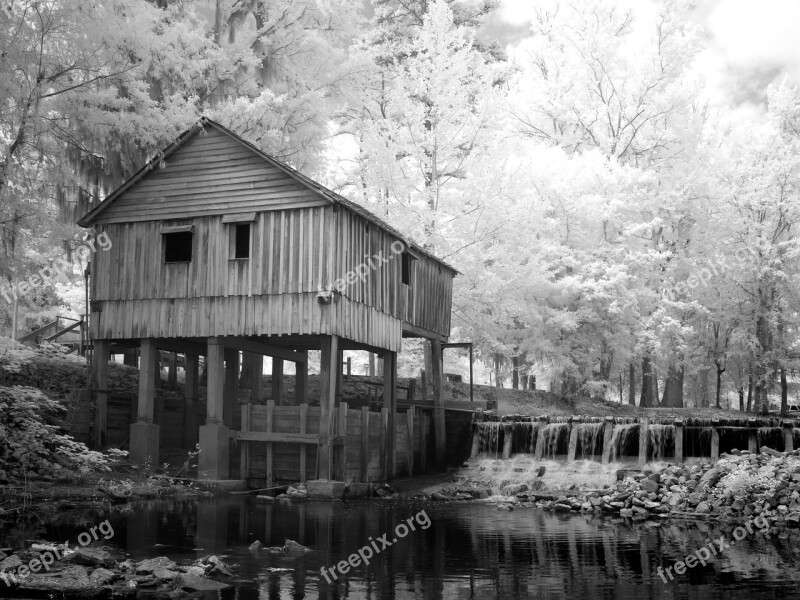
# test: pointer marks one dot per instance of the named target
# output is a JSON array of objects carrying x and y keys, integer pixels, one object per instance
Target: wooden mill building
[{"x": 223, "y": 252}]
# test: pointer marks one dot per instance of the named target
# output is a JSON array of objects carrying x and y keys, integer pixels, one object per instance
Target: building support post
[
  {"x": 438, "y": 405},
  {"x": 144, "y": 433},
  {"x": 230, "y": 391},
  {"x": 255, "y": 363},
  {"x": 277, "y": 381},
  {"x": 327, "y": 403},
  {"x": 390, "y": 403},
  {"x": 214, "y": 435},
  {"x": 190, "y": 395},
  {"x": 301, "y": 381},
  {"x": 100, "y": 387}
]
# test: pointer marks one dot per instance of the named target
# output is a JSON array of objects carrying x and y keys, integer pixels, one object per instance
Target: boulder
[
  {"x": 102, "y": 576},
  {"x": 92, "y": 557},
  {"x": 199, "y": 584},
  {"x": 325, "y": 489},
  {"x": 149, "y": 565},
  {"x": 11, "y": 562}
]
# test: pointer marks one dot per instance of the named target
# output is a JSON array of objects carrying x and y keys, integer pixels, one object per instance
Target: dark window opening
[
  {"x": 178, "y": 247},
  {"x": 407, "y": 266},
  {"x": 242, "y": 243}
]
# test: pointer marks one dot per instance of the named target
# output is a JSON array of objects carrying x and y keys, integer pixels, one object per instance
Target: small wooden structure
[{"x": 219, "y": 250}]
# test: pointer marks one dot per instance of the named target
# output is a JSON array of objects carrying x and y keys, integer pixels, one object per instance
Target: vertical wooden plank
[
  {"x": 277, "y": 380},
  {"x": 270, "y": 456},
  {"x": 327, "y": 401},
  {"x": 147, "y": 369},
  {"x": 390, "y": 402},
  {"x": 100, "y": 359},
  {"x": 303, "y": 418},
  {"x": 364, "y": 456},
  {"x": 244, "y": 445},
  {"x": 256, "y": 377},
  {"x": 424, "y": 427}
]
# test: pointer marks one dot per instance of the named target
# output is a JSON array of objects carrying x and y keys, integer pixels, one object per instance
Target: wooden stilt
[
  {"x": 438, "y": 405},
  {"x": 364, "y": 453},
  {"x": 100, "y": 386},
  {"x": 303, "y": 452},
  {"x": 190, "y": 395},
  {"x": 256, "y": 371},
  {"x": 277, "y": 381},
  {"x": 230, "y": 396},
  {"x": 327, "y": 402},
  {"x": 301, "y": 381},
  {"x": 390, "y": 403}
]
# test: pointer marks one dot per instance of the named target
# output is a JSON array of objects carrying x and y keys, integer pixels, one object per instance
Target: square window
[
  {"x": 178, "y": 246},
  {"x": 408, "y": 265}
]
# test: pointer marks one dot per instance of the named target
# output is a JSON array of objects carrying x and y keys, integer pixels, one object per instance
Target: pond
[{"x": 467, "y": 550}]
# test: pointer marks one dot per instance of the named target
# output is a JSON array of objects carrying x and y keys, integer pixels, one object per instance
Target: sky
[{"x": 750, "y": 44}]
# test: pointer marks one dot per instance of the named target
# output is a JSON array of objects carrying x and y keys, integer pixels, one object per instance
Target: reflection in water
[{"x": 469, "y": 551}]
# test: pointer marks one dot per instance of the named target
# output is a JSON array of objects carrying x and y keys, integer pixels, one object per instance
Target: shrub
[{"x": 30, "y": 448}]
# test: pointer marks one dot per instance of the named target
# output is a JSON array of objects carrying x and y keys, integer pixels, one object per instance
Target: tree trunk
[
  {"x": 497, "y": 361},
  {"x": 646, "y": 399},
  {"x": 632, "y": 384},
  {"x": 741, "y": 398},
  {"x": 654, "y": 379},
  {"x": 784, "y": 393},
  {"x": 606, "y": 360},
  {"x": 515, "y": 372},
  {"x": 720, "y": 371},
  {"x": 750, "y": 393},
  {"x": 673, "y": 387}
]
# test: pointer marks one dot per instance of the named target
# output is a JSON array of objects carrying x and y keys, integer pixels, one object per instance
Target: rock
[
  {"x": 562, "y": 507},
  {"x": 675, "y": 499},
  {"x": 438, "y": 496},
  {"x": 626, "y": 512},
  {"x": 648, "y": 485},
  {"x": 738, "y": 504},
  {"x": 640, "y": 511},
  {"x": 151, "y": 564},
  {"x": 194, "y": 570},
  {"x": 793, "y": 518},
  {"x": 481, "y": 494},
  {"x": 505, "y": 506},
  {"x": 199, "y": 584},
  {"x": 12, "y": 562},
  {"x": 102, "y": 576},
  {"x": 710, "y": 478},
  {"x": 462, "y": 496},
  {"x": 596, "y": 501},
  {"x": 325, "y": 488},
  {"x": 73, "y": 580},
  {"x": 213, "y": 565},
  {"x": 702, "y": 508},
  {"x": 93, "y": 557},
  {"x": 770, "y": 451},
  {"x": 165, "y": 574},
  {"x": 540, "y": 471},
  {"x": 255, "y": 546}
]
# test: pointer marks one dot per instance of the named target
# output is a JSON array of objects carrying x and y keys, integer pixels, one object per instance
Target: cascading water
[
  {"x": 590, "y": 437},
  {"x": 660, "y": 439},
  {"x": 554, "y": 435},
  {"x": 620, "y": 439}
]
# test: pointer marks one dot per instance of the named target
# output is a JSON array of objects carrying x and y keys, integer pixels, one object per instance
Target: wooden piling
[
  {"x": 678, "y": 442},
  {"x": 608, "y": 436},
  {"x": 364, "y": 453},
  {"x": 303, "y": 455},
  {"x": 572, "y": 450},
  {"x": 410, "y": 420},
  {"x": 644, "y": 426},
  {"x": 270, "y": 452}
]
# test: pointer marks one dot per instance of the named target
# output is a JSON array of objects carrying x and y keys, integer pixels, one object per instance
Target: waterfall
[
  {"x": 619, "y": 439},
  {"x": 658, "y": 436},
  {"x": 554, "y": 435},
  {"x": 589, "y": 438}
]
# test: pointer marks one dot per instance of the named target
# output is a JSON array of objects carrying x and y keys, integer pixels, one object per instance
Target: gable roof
[{"x": 90, "y": 218}]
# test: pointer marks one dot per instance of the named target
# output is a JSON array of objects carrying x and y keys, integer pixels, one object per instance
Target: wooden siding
[{"x": 212, "y": 174}]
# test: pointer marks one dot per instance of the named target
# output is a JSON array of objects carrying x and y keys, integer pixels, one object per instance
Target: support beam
[
  {"x": 100, "y": 386},
  {"x": 327, "y": 401},
  {"x": 230, "y": 399},
  {"x": 340, "y": 361},
  {"x": 190, "y": 396},
  {"x": 678, "y": 442},
  {"x": 277, "y": 381},
  {"x": 438, "y": 405},
  {"x": 144, "y": 434},
  {"x": 256, "y": 372},
  {"x": 247, "y": 345},
  {"x": 608, "y": 435},
  {"x": 390, "y": 403},
  {"x": 213, "y": 460},
  {"x": 301, "y": 381},
  {"x": 182, "y": 346},
  {"x": 644, "y": 427}
]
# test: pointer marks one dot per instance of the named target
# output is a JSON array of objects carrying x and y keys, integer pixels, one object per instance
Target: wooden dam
[
  {"x": 224, "y": 255},
  {"x": 618, "y": 439}
]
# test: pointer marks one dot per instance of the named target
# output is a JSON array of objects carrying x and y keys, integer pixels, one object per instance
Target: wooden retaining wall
[{"x": 279, "y": 443}]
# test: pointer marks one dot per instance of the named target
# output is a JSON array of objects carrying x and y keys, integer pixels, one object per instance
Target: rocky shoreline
[{"x": 740, "y": 485}]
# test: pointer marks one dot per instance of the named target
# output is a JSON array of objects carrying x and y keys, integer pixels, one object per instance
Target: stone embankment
[{"x": 739, "y": 485}]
